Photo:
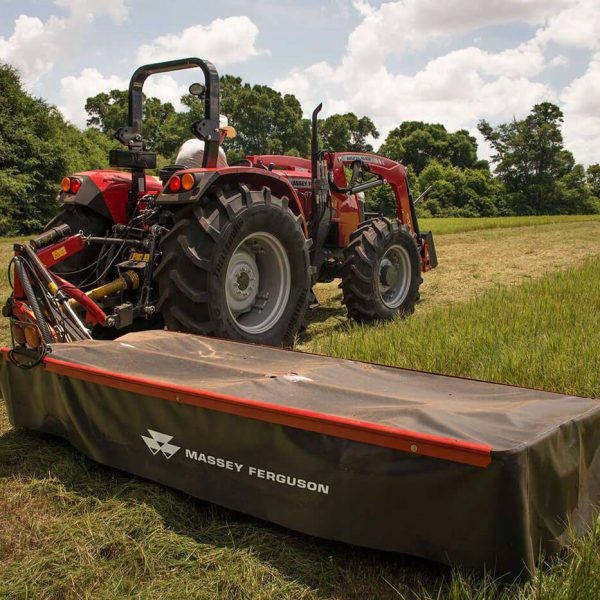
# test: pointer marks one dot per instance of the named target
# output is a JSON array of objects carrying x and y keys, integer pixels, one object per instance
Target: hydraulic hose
[
  {"x": 33, "y": 301},
  {"x": 44, "y": 274}
]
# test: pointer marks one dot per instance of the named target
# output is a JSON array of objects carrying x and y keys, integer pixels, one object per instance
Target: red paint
[
  {"x": 22, "y": 312},
  {"x": 280, "y": 162},
  {"x": 51, "y": 255},
  {"x": 114, "y": 186},
  {"x": 94, "y": 314}
]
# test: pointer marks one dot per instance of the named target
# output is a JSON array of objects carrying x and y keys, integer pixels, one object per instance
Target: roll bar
[{"x": 207, "y": 129}]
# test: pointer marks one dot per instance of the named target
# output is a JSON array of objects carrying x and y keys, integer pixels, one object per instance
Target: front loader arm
[{"x": 387, "y": 171}]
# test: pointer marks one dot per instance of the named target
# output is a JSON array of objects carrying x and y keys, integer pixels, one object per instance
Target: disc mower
[{"x": 231, "y": 252}]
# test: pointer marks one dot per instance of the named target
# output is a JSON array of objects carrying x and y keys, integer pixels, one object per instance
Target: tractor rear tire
[
  {"x": 381, "y": 273},
  {"x": 236, "y": 265},
  {"x": 80, "y": 267}
]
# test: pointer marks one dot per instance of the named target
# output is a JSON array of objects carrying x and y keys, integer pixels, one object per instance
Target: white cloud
[
  {"x": 230, "y": 40},
  {"x": 35, "y": 45},
  {"x": 76, "y": 90},
  {"x": 456, "y": 89},
  {"x": 166, "y": 89},
  {"x": 394, "y": 27},
  {"x": 582, "y": 114},
  {"x": 464, "y": 85},
  {"x": 578, "y": 26}
]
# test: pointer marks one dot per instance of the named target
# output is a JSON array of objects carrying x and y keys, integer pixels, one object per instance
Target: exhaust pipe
[
  {"x": 314, "y": 145},
  {"x": 320, "y": 181}
]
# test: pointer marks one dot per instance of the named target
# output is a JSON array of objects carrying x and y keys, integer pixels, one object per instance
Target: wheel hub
[
  {"x": 394, "y": 276},
  {"x": 242, "y": 281},
  {"x": 258, "y": 282},
  {"x": 388, "y": 274}
]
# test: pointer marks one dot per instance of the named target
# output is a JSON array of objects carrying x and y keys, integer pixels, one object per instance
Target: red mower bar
[{"x": 458, "y": 471}]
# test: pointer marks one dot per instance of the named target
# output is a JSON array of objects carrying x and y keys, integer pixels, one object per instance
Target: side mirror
[{"x": 197, "y": 89}]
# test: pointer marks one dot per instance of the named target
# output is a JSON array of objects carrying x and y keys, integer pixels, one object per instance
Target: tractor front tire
[
  {"x": 236, "y": 265},
  {"x": 79, "y": 269},
  {"x": 381, "y": 272}
]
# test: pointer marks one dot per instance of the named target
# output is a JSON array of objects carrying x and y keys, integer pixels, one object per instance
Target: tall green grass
[
  {"x": 459, "y": 224},
  {"x": 543, "y": 334}
]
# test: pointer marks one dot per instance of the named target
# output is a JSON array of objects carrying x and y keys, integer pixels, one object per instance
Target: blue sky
[{"x": 452, "y": 62}]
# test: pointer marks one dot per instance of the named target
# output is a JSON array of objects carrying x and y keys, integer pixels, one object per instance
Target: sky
[{"x": 444, "y": 61}]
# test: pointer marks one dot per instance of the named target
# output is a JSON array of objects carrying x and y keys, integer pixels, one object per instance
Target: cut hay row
[{"x": 457, "y": 224}]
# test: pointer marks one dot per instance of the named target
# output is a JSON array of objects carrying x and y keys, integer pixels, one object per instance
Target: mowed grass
[
  {"x": 70, "y": 528},
  {"x": 457, "y": 224}
]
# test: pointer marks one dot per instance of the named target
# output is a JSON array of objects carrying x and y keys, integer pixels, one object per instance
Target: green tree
[
  {"x": 417, "y": 144},
  {"x": 576, "y": 194},
  {"x": 266, "y": 121},
  {"x": 347, "y": 132},
  {"x": 37, "y": 148},
  {"x": 451, "y": 192},
  {"x": 455, "y": 192},
  {"x": 531, "y": 160},
  {"x": 108, "y": 111},
  {"x": 593, "y": 179}
]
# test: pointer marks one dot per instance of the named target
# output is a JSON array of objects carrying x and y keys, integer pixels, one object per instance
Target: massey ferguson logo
[{"x": 159, "y": 442}]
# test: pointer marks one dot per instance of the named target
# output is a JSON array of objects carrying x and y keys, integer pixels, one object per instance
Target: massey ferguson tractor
[{"x": 231, "y": 252}]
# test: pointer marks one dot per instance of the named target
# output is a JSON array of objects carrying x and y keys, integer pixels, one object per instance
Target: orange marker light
[
  {"x": 188, "y": 181},
  {"x": 174, "y": 184},
  {"x": 32, "y": 336},
  {"x": 65, "y": 184}
]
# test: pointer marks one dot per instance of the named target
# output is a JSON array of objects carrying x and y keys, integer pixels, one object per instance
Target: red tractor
[{"x": 231, "y": 252}]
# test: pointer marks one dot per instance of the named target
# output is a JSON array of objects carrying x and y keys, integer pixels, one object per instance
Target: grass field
[
  {"x": 510, "y": 304},
  {"x": 456, "y": 224}
]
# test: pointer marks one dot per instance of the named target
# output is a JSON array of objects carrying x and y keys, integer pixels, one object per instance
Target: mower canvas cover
[{"x": 462, "y": 472}]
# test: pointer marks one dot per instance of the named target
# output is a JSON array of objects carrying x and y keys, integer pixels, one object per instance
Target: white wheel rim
[
  {"x": 258, "y": 283},
  {"x": 393, "y": 276}
]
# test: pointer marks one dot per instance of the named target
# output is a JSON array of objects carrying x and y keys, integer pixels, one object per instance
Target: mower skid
[{"x": 462, "y": 472}]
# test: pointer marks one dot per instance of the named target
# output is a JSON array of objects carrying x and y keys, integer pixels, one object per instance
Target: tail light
[
  {"x": 75, "y": 185},
  {"x": 188, "y": 181},
  {"x": 174, "y": 184},
  {"x": 70, "y": 185}
]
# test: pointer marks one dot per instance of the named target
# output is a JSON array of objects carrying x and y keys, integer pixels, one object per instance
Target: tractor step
[{"x": 458, "y": 471}]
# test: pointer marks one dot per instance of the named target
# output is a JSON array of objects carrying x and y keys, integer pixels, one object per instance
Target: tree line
[{"x": 533, "y": 172}]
